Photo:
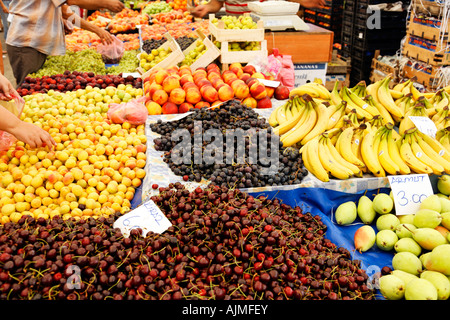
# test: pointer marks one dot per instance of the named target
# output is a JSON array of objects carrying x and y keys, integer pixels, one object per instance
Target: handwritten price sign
[
  {"x": 148, "y": 217},
  {"x": 424, "y": 125},
  {"x": 409, "y": 191}
]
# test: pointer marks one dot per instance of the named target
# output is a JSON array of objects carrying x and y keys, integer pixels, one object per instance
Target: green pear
[
  {"x": 365, "y": 210},
  {"x": 383, "y": 203},
  {"x": 428, "y": 238},
  {"x": 440, "y": 281},
  {"x": 439, "y": 259},
  {"x": 427, "y": 218},
  {"x": 420, "y": 289},
  {"x": 392, "y": 287},
  {"x": 403, "y": 230},
  {"x": 405, "y": 276},
  {"x": 408, "y": 262},
  {"x": 364, "y": 238},
  {"x": 409, "y": 245},
  {"x": 386, "y": 239},
  {"x": 424, "y": 257},
  {"x": 445, "y": 204},
  {"x": 406, "y": 218},
  {"x": 346, "y": 213},
  {"x": 387, "y": 221},
  {"x": 445, "y": 222},
  {"x": 432, "y": 203},
  {"x": 443, "y": 184}
]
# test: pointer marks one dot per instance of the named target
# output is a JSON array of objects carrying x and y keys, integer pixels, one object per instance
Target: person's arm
[
  {"x": 312, "y": 3},
  {"x": 113, "y": 5},
  {"x": 211, "y": 7},
  {"x": 69, "y": 15},
  {"x": 4, "y": 8}
]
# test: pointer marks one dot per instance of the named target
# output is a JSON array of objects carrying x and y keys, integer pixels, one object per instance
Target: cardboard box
[
  {"x": 427, "y": 28},
  {"x": 305, "y": 73},
  {"x": 427, "y": 51}
]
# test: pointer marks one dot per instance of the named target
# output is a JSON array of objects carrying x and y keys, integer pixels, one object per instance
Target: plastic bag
[
  {"x": 14, "y": 106},
  {"x": 111, "y": 53},
  {"x": 133, "y": 111},
  {"x": 286, "y": 74}
]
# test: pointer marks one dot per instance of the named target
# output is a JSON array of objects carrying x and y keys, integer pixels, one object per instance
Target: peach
[
  {"x": 269, "y": 77},
  {"x": 152, "y": 88},
  {"x": 153, "y": 108},
  {"x": 209, "y": 94},
  {"x": 281, "y": 92},
  {"x": 251, "y": 81},
  {"x": 214, "y": 75},
  {"x": 245, "y": 76},
  {"x": 185, "y": 107},
  {"x": 189, "y": 85},
  {"x": 216, "y": 82},
  {"x": 216, "y": 104},
  {"x": 202, "y": 104},
  {"x": 169, "y": 108},
  {"x": 236, "y": 83},
  {"x": 220, "y": 85},
  {"x": 177, "y": 96},
  {"x": 237, "y": 70},
  {"x": 258, "y": 75},
  {"x": 160, "y": 75},
  {"x": 171, "y": 82},
  {"x": 270, "y": 91},
  {"x": 249, "y": 69},
  {"x": 185, "y": 70},
  {"x": 264, "y": 103},
  {"x": 160, "y": 96},
  {"x": 250, "y": 102},
  {"x": 199, "y": 73},
  {"x": 173, "y": 70},
  {"x": 228, "y": 76},
  {"x": 226, "y": 93},
  {"x": 258, "y": 90},
  {"x": 212, "y": 66},
  {"x": 186, "y": 78},
  {"x": 193, "y": 95},
  {"x": 203, "y": 82},
  {"x": 241, "y": 91}
]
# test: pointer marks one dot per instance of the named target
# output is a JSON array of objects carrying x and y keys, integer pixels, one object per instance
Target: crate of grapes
[
  {"x": 200, "y": 53},
  {"x": 231, "y": 28},
  {"x": 242, "y": 51},
  {"x": 167, "y": 55}
]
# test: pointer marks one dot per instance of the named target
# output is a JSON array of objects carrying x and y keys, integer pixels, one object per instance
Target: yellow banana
[
  {"x": 339, "y": 159},
  {"x": 415, "y": 93},
  {"x": 431, "y": 153},
  {"x": 281, "y": 114},
  {"x": 321, "y": 122},
  {"x": 387, "y": 118},
  {"x": 385, "y": 98},
  {"x": 311, "y": 161},
  {"x": 330, "y": 165},
  {"x": 424, "y": 158},
  {"x": 396, "y": 94},
  {"x": 334, "y": 95},
  {"x": 400, "y": 86},
  {"x": 388, "y": 164},
  {"x": 344, "y": 146},
  {"x": 436, "y": 145},
  {"x": 362, "y": 114},
  {"x": 273, "y": 116},
  {"x": 295, "y": 136},
  {"x": 368, "y": 153},
  {"x": 288, "y": 112},
  {"x": 323, "y": 92},
  {"x": 445, "y": 141},
  {"x": 288, "y": 125},
  {"x": 336, "y": 115},
  {"x": 410, "y": 159},
  {"x": 315, "y": 90},
  {"x": 394, "y": 153}
]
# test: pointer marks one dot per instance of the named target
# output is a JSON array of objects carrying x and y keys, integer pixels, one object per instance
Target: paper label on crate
[
  {"x": 305, "y": 73},
  {"x": 148, "y": 217},
  {"x": 424, "y": 125},
  {"x": 269, "y": 83},
  {"x": 409, "y": 191}
]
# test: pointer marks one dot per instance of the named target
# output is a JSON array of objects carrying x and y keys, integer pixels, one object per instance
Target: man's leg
[{"x": 24, "y": 60}]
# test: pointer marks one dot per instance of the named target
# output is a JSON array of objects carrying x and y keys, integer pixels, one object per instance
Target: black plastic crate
[{"x": 387, "y": 20}]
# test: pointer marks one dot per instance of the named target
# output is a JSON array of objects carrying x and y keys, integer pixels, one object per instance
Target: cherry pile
[
  {"x": 288, "y": 170},
  {"x": 223, "y": 244},
  {"x": 69, "y": 81}
]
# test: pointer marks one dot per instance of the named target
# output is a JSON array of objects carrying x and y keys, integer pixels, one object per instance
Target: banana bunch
[
  {"x": 405, "y": 103},
  {"x": 313, "y": 89},
  {"x": 440, "y": 100},
  {"x": 418, "y": 110},
  {"x": 364, "y": 110},
  {"x": 443, "y": 137},
  {"x": 323, "y": 160},
  {"x": 442, "y": 118},
  {"x": 337, "y": 115},
  {"x": 285, "y": 116},
  {"x": 424, "y": 154}
]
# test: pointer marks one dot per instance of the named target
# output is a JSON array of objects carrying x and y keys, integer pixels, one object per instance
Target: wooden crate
[
  {"x": 211, "y": 53},
  {"x": 427, "y": 7},
  {"x": 231, "y": 35},
  {"x": 227, "y": 57},
  {"x": 175, "y": 57},
  {"x": 426, "y": 51},
  {"x": 427, "y": 28},
  {"x": 423, "y": 73},
  {"x": 384, "y": 68},
  {"x": 337, "y": 65}
]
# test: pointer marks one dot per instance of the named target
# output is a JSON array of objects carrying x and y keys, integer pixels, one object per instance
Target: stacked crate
[
  {"x": 382, "y": 30},
  {"x": 348, "y": 17},
  {"x": 328, "y": 17},
  {"x": 427, "y": 44}
]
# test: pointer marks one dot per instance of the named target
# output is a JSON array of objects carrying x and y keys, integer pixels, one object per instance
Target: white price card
[
  {"x": 424, "y": 125},
  {"x": 409, "y": 191},
  {"x": 148, "y": 217},
  {"x": 269, "y": 83}
]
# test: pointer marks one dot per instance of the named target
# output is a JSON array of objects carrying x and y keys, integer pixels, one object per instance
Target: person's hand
[
  {"x": 114, "y": 5},
  {"x": 5, "y": 9},
  {"x": 105, "y": 36},
  {"x": 199, "y": 11},
  {"x": 312, "y": 3},
  {"x": 32, "y": 135},
  {"x": 7, "y": 91}
]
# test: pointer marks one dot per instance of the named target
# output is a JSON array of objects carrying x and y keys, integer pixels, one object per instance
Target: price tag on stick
[
  {"x": 424, "y": 125},
  {"x": 148, "y": 217},
  {"x": 409, "y": 191}
]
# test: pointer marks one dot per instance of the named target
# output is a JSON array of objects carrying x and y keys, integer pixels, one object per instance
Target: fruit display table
[{"x": 312, "y": 46}]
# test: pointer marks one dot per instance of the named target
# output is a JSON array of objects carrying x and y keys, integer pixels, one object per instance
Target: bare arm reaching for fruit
[{"x": 23, "y": 131}]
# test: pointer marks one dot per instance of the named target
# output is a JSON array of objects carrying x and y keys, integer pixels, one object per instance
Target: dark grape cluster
[
  {"x": 223, "y": 244},
  {"x": 184, "y": 42},
  {"x": 232, "y": 114}
]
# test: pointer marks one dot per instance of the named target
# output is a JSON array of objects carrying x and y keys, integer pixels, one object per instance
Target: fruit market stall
[{"x": 180, "y": 174}]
